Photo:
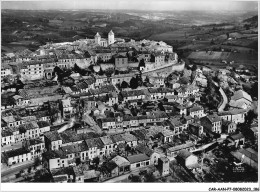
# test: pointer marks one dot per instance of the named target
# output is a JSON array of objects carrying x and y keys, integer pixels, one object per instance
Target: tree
[
  {"x": 96, "y": 161},
  {"x": 247, "y": 26},
  {"x": 194, "y": 67},
  {"x": 115, "y": 106},
  {"x": 254, "y": 90},
  {"x": 133, "y": 83},
  {"x": 152, "y": 58},
  {"x": 184, "y": 80},
  {"x": 42, "y": 175},
  {"x": 227, "y": 35},
  {"x": 37, "y": 161},
  {"x": 124, "y": 85},
  {"x": 141, "y": 63},
  {"x": 149, "y": 177},
  {"x": 249, "y": 117},
  {"x": 193, "y": 75},
  {"x": 99, "y": 60},
  {"x": 109, "y": 72},
  {"x": 101, "y": 72}
]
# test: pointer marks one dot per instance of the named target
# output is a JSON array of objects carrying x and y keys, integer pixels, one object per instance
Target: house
[
  {"x": 160, "y": 93},
  {"x": 95, "y": 147},
  {"x": 228, "y": 127},
  {"x": 66, "y": 106},
  {"x": 12, "y": 121},
  {"x": 197, "y": 111},
  {"x": 44, "y": 126},
  {"x": 187, "y": 159},
  {"x": 91, "y": 176},
  {"x": 17, "y": 156},
  {"x": 121, "y": 61},
  {"x": 55, "y": 159},
  {"x": 195, "y": 129},
  {"x": 7, "y": 137},
  {"x": 79, "y": 172},
  {"x": 138, "y": 161},
  {"x": 176, "y": 124},
  {"x": 117, "y": 139},
  {"x": 53, "y": 141},
  {"x": 141, "y": 135},
  {"x": 122, "y": 164},
  {"x": 36, "y": 147},
  {"x": 106, "y": 123},
  {"x": 112, "y": 98},
  {"x": 164, "y": 166},
  {"x": 180, "y": 109},
  {"x": 173, "y": 151},
  {"x": 82, "y": 86},
  {"x": 108, "y": 145},
  {"x": 109, "y": 170},
  {"x": 247, "y": 156},
  {"x": 100, "y": 80},
  {"x": 20, "y": 101},
  {"x": 129, "y": 139},
  {"x": 237, "y": 140},
  {"x": 167, "y": 135},
  {"x": 154, "y": 156},
  {"x": 212, "y": 123},
  {"x": 118, "y": 79},
  {"x": 28, "y": 130},
  {"x": 69, "y": 137},
  {"x": 132, "y": 95},
  {"x": 62, "y": 175},
  {"x": 234, "y": 115},
  {"x": 241, "y": 99},
  {"x": 43, "y": 116}
]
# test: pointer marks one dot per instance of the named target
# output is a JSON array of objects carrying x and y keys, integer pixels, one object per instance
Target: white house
[
  {"x": 241, "y": 99},
  {"x": 187, "y": 159},
  {"x": 17, "y": 156},
  {"x": 138, "y": 161}
]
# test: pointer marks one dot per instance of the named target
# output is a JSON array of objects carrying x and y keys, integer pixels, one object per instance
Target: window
[
  {"x": 138, "y": 165},
  {"x": 147, "y": 162}
]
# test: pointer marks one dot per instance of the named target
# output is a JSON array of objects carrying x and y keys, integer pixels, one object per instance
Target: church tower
[
  {"x": 97, "y": 39},
  {"x": 111, "y": 37}
]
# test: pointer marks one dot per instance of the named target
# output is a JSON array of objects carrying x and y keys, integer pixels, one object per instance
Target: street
[{"x": 16, "y": 169}]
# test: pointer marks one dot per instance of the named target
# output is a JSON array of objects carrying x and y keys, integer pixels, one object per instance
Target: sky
[{"x": 214, "y": 5}]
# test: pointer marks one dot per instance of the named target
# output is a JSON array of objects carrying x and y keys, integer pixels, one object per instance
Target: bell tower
[
  {"x": 111, "y": 37},
  {"x": 97, "y": 39}
]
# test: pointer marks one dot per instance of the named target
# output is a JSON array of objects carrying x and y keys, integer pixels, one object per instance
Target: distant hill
[{"x": 251, "y": 20}]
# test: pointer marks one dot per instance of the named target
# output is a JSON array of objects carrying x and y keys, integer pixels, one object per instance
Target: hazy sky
[{"x": 134, "y": 4}]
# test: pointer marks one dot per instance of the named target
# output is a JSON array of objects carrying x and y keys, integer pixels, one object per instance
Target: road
[
  {"x": 16, "y": 169},
  {"x": 225, "y": 100}
]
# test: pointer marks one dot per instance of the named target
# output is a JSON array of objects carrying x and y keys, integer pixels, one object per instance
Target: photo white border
[{"x": 114, "y": 187}]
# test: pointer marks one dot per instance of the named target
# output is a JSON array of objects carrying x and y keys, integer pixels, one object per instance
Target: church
[{"x": 105, "y": 42}]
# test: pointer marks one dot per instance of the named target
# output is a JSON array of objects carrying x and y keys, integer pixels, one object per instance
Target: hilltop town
[{"x": 107, "y": 109}]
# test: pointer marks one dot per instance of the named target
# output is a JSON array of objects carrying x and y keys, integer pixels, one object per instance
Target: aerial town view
[{"x": 129, "y": 95}]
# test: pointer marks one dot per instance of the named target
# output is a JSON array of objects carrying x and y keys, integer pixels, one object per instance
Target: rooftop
[
  {"x": 143, "y": 149},
  {"x": 53, "y": 136},
  {"x": 184, "y": 154},
  {"x": 237, "y": 136},
  {"x": 241, "y": 94},
  {"x": 137, "y": 158},
  {"x": 120, "y": 161},
  {"x": 16, "y": 152}
]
